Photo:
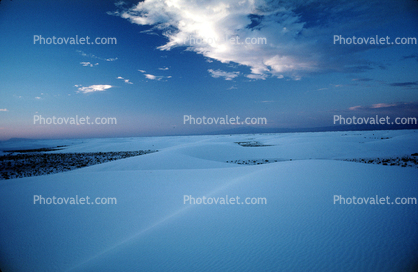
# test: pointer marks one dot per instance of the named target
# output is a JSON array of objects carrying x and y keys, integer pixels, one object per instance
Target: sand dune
[{"x": 151, "y": 229}]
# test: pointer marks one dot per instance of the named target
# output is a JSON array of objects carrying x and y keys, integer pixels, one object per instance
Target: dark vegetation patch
[
  {"x": 256, "y": 162},
  {"x": 251, "y": 144},
  {"x": 37, "y": 164},
  {"x": 405, "y": 161}
]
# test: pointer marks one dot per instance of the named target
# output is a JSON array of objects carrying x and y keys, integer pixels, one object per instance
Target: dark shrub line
[{"x": 37, "y": 164}]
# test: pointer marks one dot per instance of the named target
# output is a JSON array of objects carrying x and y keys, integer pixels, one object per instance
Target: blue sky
[{"x": 154, "y": 75}]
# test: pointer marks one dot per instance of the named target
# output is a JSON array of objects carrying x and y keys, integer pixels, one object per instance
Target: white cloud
[
  {"x": 37, "y": 98},
  {"x": 259, "y": 76},
  {"x": 163, "y": 68},
  {"x": 149, "y": 76},
  {"x": 94, "y": 56},
  {"x": 86, "y": 63},
  {"x": 125, "y": 80},
  {"x": 298, "y": 33},
  {"x": 382, "y": 105},
  {"x": 220, "y": 73},
  {"x": 3, "y": 110},
  {"x": 153, "y": 77},
  {"x": 92, "y": 88},
  {"x": 185, "y": 23},
  {"x": 142, "y": 71}
]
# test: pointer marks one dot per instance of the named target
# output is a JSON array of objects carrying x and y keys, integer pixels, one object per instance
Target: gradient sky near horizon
[{"x": 154, "y": 75}]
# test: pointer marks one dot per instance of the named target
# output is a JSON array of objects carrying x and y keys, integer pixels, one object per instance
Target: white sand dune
[{"x": 151, "y": 229}]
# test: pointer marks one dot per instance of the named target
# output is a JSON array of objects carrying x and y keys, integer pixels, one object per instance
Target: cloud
[
  {"x": 220, "y": 73},
  {"x": 92, "y": 88},
  {"x": 382, "y": 105},
  {"x": 149, "y": 76},
  {"x": 253, "y": 76},
  {"x": 94, "y": 57},
  {"x": 3, "y": 110},
  {"x": 125, "y": 80},
  {"x": 404, "y": 84},
  {"x": 392, "y": 107},
  {"x": 291, "y": 38},
  {"x": 153, "y": 77},
  {"x": 355, "y": 108},
  {"x": 374, "y": 106},
  {"x": 84, "y": 63}
]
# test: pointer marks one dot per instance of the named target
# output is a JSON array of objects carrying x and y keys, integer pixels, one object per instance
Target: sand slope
[{"x": 151, "y": 229}]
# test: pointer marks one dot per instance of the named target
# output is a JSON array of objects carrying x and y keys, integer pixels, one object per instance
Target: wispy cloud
[
  {"x": 355, "y": 108},
  {"x": 257, "y": 76},
  {"x": 154, "y": 77},
  {"x": 86, "y": 63},
  {"x": 383, "y": 105},
  {"x": 125, "y": 80},
  {"x": 94, "y": 56},
  {"x": 163, "y": 68},
  {"x": 92, "y": 88},
  {"x": 411, "y": 107},
  {"x": 142, "y": 71},
  {"x": 3, "y": 110},
  {"x": 224, "y": 74}
]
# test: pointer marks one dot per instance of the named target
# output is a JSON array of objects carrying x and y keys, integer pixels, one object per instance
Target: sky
[{"x": 288, "y": 62}]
